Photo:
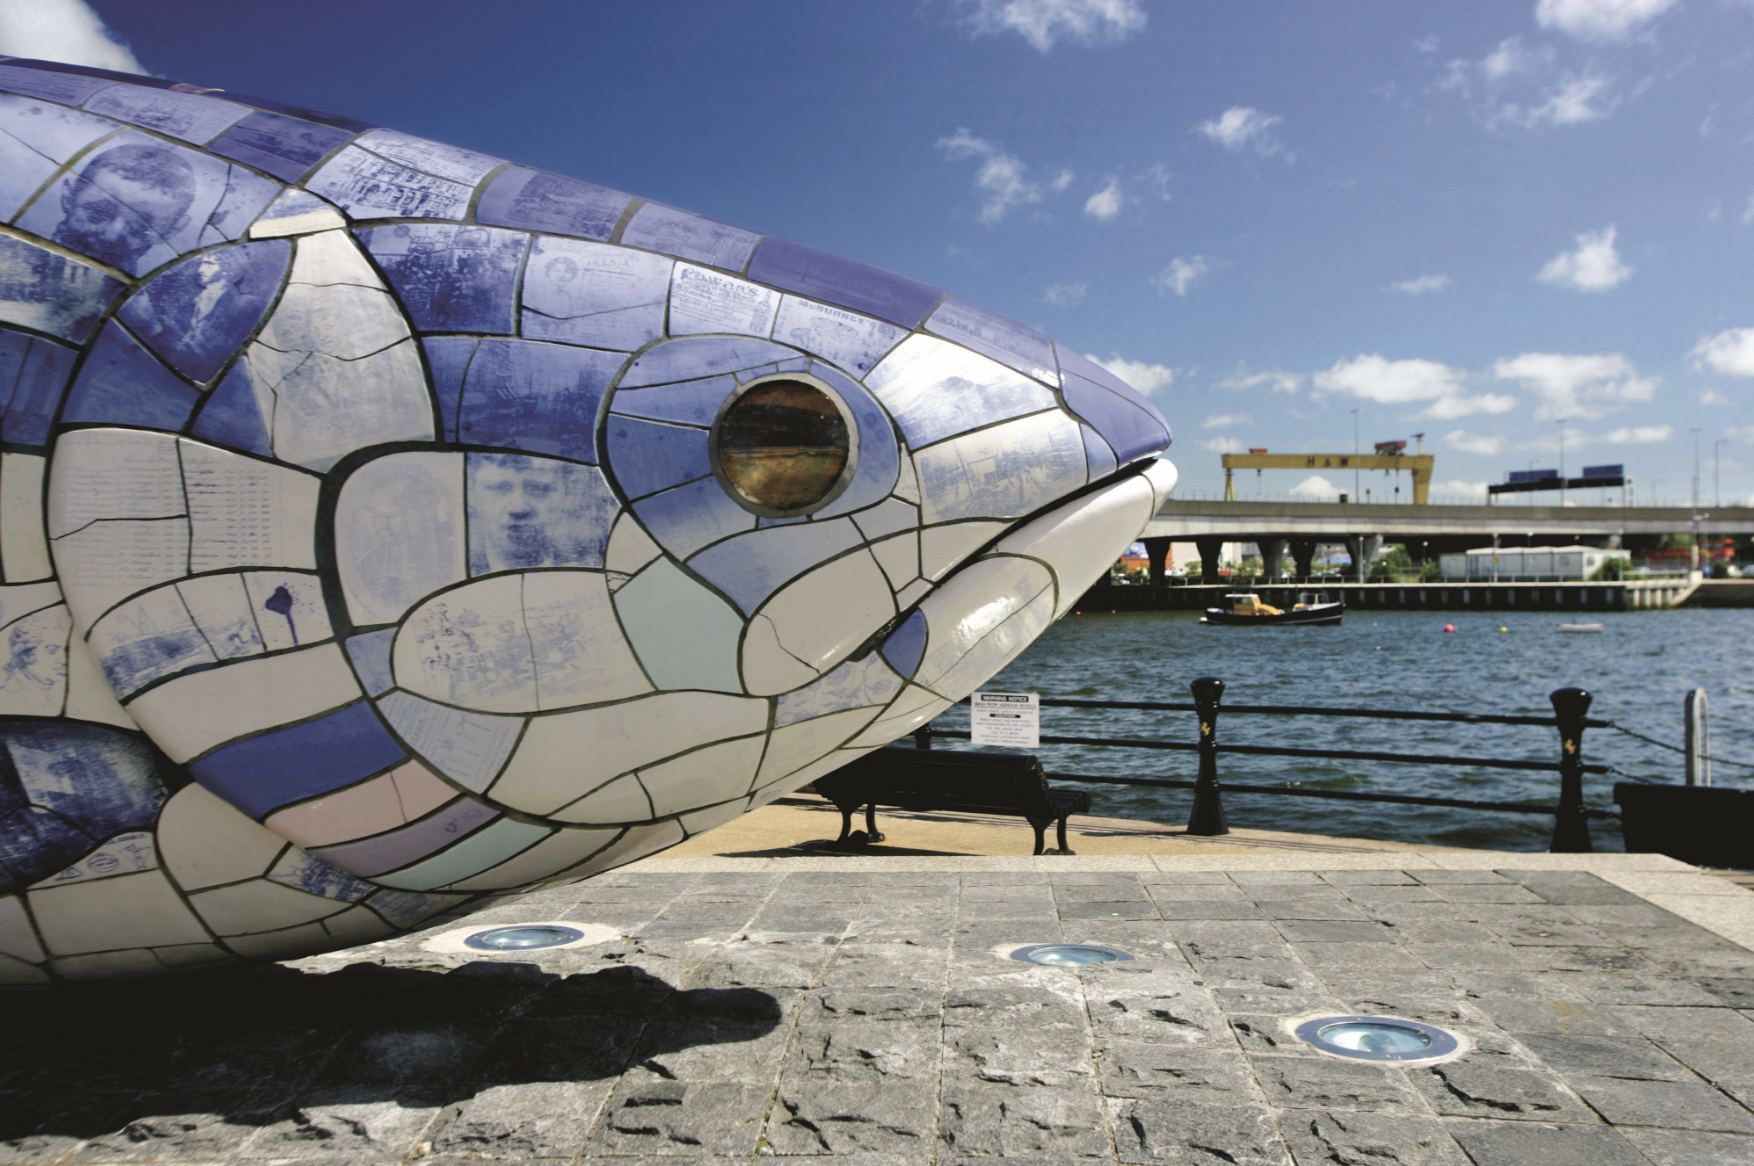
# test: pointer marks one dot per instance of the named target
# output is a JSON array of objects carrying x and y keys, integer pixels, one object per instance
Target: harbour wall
[{"x": 1633, "y": 595}]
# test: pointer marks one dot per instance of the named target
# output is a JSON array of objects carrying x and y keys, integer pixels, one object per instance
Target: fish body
[{"x": 387, "y": 524}]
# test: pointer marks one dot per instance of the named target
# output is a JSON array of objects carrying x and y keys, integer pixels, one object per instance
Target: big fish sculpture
[{"x": 386, "y": 525}]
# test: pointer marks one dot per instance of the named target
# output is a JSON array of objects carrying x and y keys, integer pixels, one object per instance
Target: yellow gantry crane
[{"x": 1389, "y": 456}]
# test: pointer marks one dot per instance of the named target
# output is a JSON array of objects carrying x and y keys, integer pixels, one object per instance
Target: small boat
[
  {"x": 1312, "y": 607},
  {"x": 1583, "y": 627}
]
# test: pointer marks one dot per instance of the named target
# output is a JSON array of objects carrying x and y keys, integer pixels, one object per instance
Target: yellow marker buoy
[{"x": 1504, "y": 629}]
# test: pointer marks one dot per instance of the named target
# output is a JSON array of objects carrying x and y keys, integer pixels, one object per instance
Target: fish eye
[{"x": 782, "y": 446}]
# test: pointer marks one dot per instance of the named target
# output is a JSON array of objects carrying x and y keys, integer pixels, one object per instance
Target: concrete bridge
[{"x": 1298, "y": 527}]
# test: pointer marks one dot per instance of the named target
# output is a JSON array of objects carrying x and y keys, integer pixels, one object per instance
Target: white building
[{"x": 1524, "y": 564}]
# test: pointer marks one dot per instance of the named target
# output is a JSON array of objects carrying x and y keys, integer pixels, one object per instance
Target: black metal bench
[{"x": 973, "y": 783}]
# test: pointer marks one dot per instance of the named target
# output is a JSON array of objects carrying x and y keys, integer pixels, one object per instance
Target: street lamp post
[
  {"x": 1696, "y": 432},
  {"x": 1717, "y": 490},
  {"x": 1562, "y": 462},
  {"x": 1355, "y": 475}
]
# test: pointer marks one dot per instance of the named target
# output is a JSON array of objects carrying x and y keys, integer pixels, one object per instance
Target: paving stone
[
  {"x": 1265, "y": 1034},
  {"x": 1487, "y": 893},
  {"x": 1311, "y": 908},
  {"x": 1672, "y": 1024},
  {"x": 1687, "y": 1148},
  {"x": 540, "y": 1119},
  {"x": 1660, "y": 991},
  {"x": 1628, "y": 1058},
  {"x": 182, "y": 1125},
  {"x": 1220, "y": 1075},
  {"x": 1522, "y": 1014},
  {"x": 1737, "y": 992},
  {"x": 1598, "y": 959},
  {"x": 983, "y": 1118},
  {"x": 1333, "y": 1084},
  {"x": 1078, "y": 910},
  {"x": 1175, "y": 911},
  {"x": 1349, "y": 879},
  {"x": 342, "y": 1123},
  {"x": 1574, "y": 888},
  {"x": 1689, "y": 1105},
  {"x": 1335, "y": 931},
  {"x": 1434, "y": 878},
  {"x": 1206, "y": 1135},
  {"x": 819, "y": 1114},
  {"x": 681, "y": 1117},
  {"x": 1726, "y": 1064},
  {"x": 1500, "y": 957},
  {"x": 1374, "y": 1138},
  {"x": 1354, "y": 955},
  {"x": 1469, "y": 1089},
  {"x": 1512, "y": 1143}
]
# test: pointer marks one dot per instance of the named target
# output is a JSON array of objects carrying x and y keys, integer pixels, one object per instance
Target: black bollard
[
  {"x": 923, "y": 736},
  {"x": 1208, "y": 816},
  {"x": 1571, "y": 830}
]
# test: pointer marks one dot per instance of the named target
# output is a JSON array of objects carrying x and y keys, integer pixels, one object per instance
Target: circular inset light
[
  {"x": 523, "y": 938},
  {"x": 1377, "y": 1038},
  {"x": 782, "y": 446},
  {"x": 1068, "y": 955}
]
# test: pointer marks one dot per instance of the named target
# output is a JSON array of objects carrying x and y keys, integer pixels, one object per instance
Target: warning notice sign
[{"x": 1005, "y": 718}]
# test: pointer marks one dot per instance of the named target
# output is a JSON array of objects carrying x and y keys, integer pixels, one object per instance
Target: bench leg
[
  {"x": 1041, "y": 827},
  {"x": 846, "y": 821},
  {"x": 1064, "y": 849},
  {"x": 871, "y": 834}
]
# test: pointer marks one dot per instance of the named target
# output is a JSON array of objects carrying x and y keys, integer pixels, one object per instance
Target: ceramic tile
[
  {"x": 104, "y": 563},
  {"x": 123, "y": 854},
  {"x": 18, "y": 938},
  {"x": 943, "y": 548},
  {"x": 259, "y": 906},
  {"x": 130, "y": 911},
  {"x": 697, "y": 357},
  {"x": 647, "y": 456},
  {"x": 371, "y": 857},
  {"x": 703, "y": 300},
  {"x": 622, "y": 800},
  {"x": 684, "y": 635},
  {"x": 538, "y": 201},
  {"x": 327, "y": 407},
  {"x": 399, "y": 533},
  {"x": 121, "y": 383},
  {"x": 303, "y": 872},
  {"x": 50, "y": 292},
  {"x": 822, "y": 616},
  {"x": 147, "y": 639},
  {"x": 700, "y": 821},
  {"x": 262, "y": 773},
  {"x": 235, "y": 415},
  {"x": 297, "y": 212},
  {"x": 1098, "y": 455},
  {"x": 854, "y": 684},
  {"x": 451, "y": 278},
  {"x": 382, "y": 803},
  {"x": 245, "y": 197},
  {"x": 886, "y": 518},
  {"x": 581, "y": 654},
  {"x": 77, "y": 783},
  {"x": 18, "y": 600},
  {"x": 657, "y": 227},
  {"x": 24, "y": 541},
  {"x": 33, "y": 663},
  {"x": 285, "y": 147},
  {"x": 906, "y": 644},
  {"x": 704, "y": 777},
  {"x": 338, "y": 319},
  {"x": 469, "y": 647},
  {"x": 368, "y": 187},
  {"x": 333, "y": 257},
  {"x": 468, "y": 748},
  {"x": 751, "y": 567},
  {"x": 935, "y": 390},
  {"x": 594, "y": 294},
  {"x": 835, "y": 280},
  {"x": 990, "y": 334},
  {"x": 1074, "y": 539},
  {"x": 65, "y": 88},
  {"x": 563, "y": 849},
  {"x": 1006, "y": 471},
  {"x": 370, "y": 654},
  {"x": 404, "y": 909},
  {"x": 35, "y": 139},
  {"x": 246, "y": 513},
  {"x": 479, "y": 851},
  {"x": 436, "y": 158},
  {"x": 854, "y": 342},
  {"x": 913, "y": 708},
  {"x": 797, "y": 745},
  {"x": 206, "y": 841},
  {"x": 899, "y": 556},
  {"x": 194, "y": 119},
  {"x": 878, "y": 456},
  {"x": 694, "y": 402},
  {"x": 980, "y": 620},
  {"x": 542, "y": 398},
  {"x": 194, "y": 315},
  {"x": 33, "y": 375},
  {"x": 88, "y": 695},
  {"x": 289, "y": 608},
  {"x": 536, "y": 512},
  {"x": 767, "y": 666},
  {"x": 630, "y": 547},
  {"x": 221, "y": 608},
  {"x": 1130, "y": 425}
]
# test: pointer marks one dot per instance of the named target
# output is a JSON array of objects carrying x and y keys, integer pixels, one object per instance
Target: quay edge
[{"x": 1629, "y": 595}]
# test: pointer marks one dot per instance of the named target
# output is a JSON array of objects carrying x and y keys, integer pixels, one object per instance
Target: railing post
[
  {"x": 1208, "y": 816},
  {"x": 1571, "y": 830},
  {"x": 923, "y": 736},
  {"x": 1698, "y": 733}
]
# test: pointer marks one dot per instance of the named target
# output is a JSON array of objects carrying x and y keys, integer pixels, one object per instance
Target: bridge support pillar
[
  {"x": 1272, "y": 557},
  {"x": 1211, "y": 550},
  {"x": 1362, "y": 548},
  {"x": 1303, "y": 553},
  {"x": 1157, "y": 551}
]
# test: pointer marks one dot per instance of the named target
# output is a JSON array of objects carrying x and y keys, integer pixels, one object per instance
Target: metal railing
[{"x": 1571, "y": 816}]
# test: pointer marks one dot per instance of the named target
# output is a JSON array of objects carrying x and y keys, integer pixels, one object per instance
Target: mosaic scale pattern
[{"x": 383, "y": 524}]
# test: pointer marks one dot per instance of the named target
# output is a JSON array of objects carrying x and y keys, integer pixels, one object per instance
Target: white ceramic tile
[
  {"x": 913, "y": 708},
  {"x": 191, "y": 714},
  {"x": 146, "y": 639},
  {"x": 287, "y": 943},
  {"x": 295, "y": 212},
  {"x": 622, "y": 800},
  {"x": 631, "y": 846},
  {"x": 340, "y": 320},
  {"x": 568, "y": 754},
  {"x": 1078, "y": 539},
  {"x": 104, "y": 563},
  {"x": 854, "y": 684},
  {"x": 705, "y": 777},
  {"x": 113, "y": 473},
  {"x": 821, "y": 617},
  {"x": 444, "y": 161},
  {"x": 854, "y": 342},
  {"x": 799, "y": 778},
  {"x": 936, "y": 389},
  {"x": 136, "y": 963},
  {"x": 289, "y": 608},
  {"x": 793, "y": 747},
  {"x": 24, "y": 543},
  {"x": 125, "y": 853},
  {"x": 333, "y": 258},
  {"x": 33, "y": 663},
  {"x": 20, "y": 600},
  {"x": 355, "y": 926},
  {"x": 468, "y": 748},
  {"x": 1162, "y": 475},
  {"x": 702, "y": 300},
  {"x": 259, "y": 906},
  {"x": 204, "y": 841},
  {"x": 399, "y": 533},
  {"x": 630, "y": 547},
  {"x": 468, "y": 646},
  {"x": 88, "y": 694},
  {"x": 594, "y": 294},
  {"x": 581, "y": 655},
  {"x": 912, "y": 594},
  {"x": 980, "y": 620},
  {"x": 685, "y": 635},
  {"x": 371, "y": 188},
  {"x": 768, "y": 667},
  {"x": 700, "y": 821},
  {"x": 17, "y": 938},
  {"x": 907, "y": 484},
  {"x": 220, "y": 607},
  {"x": 325, "y": 407},
  {"x": 383, "y": 803},
  {"x": 130, "y": 911},
  {"x": 247, "y": 513},
  {"x": 887, "y": 517},
  {"x": 1006, "y": 471},
  {"x": 943, "y": 548},
  {"x": 899, "y": 556},
  {"x": 558, "y": 852}
]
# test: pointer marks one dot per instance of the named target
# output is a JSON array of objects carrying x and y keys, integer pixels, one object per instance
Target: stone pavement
[{"x": 858, "y": 1009}]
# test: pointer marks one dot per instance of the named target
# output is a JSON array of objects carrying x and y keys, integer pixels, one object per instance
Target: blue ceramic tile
[
  {"x": 33, "y": 375},
  {"x": 448, "y": 357},
  {"x": 594, "y": 294},
  {"x": 370, "y": 653},
  {"x": 135, "y": 202},
  {"x": 195, "y": 314},
  {"x": 660, "y": 228},
  {"x": 1098, "y": 454},
  {"x": 147, "y": 639},
  {"x": 538, "y": 201},
  {"x": 451, "y": 279},
  {"x": 397, "y": 848},
  {"x": 752, "y": 567},
  {"x": 990, "y": 334},
  {"x": 69, "y": 787},
  {"x": 451, "y": 163},
  {"x": 822, "y": 275},
  {"x": 48, "y": 292},
  {"x": 529, "y": 512},
  {"x": 906, "y": 644},
  {"x": 879, "y": 457},
  {"x": 232, "y": 414},
  {"x": 35, "y": 138},
  {"x": 123, "y": 384},
  {"x": 285, "y": 147},
  {"x": 686, "y": 403},
  {"x": 855, "y": 343},
  {"x": 406, "y": 908},
  {"x": 66, "y": 88},
  {"x": 299, "y": 112},
  {"x": 245, "y": 196},
  {"x": 936, "y": 389},
  {"x": 261, "y": 774},
  {"x": 293, "y": 203},
  {"x": 313, "y": 876},
  {"x": 469, "y": 748},
  {"x": 1126, "y": 420},
  {"x": 702, "y": 356},
  {"x": 193, "y": 118},
  {"x": 704, "y": 302},
  {"x": 647, "y": 456},
  {"x": 369, "y": 187},
  {"x": 858, "y": 683},
  {"x": 484, "y": 848},
  {"x": 540, "y": 398},
  {"x": 692, "y": 515}
]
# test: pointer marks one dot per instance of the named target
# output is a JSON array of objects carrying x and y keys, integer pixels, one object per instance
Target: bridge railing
[{"x": 1571, "y": 817}]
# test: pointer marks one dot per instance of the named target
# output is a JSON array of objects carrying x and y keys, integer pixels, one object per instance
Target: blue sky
[{"x": 1473, "y": 220}]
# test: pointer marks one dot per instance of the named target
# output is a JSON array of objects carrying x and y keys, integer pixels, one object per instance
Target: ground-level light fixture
[
  {"x": 1379, "y": 1038},
  {"x": 1069, "y": 955}
]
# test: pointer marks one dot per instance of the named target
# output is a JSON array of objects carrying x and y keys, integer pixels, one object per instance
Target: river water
[{"x": 1638, "y": 669}]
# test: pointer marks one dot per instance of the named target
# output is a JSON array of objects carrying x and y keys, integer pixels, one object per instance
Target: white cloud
[
  {"x": 1002, "y": 177},
  {"x": 1639, "y": 434},
  {"x": 1730, "y": 353},
  {"x": 1748, "y": 211},
  {"x": 1576, "y": 100},
  {"x": 1577, "y": 386},
  {"x": 1599, "y": 20},
  {"x": 1522, "y": 85},
  {"x": 1595, "y": 265},
  {"x": 1226, "y": 420},
  {"x": 1316, "y": 486},
  {"x": 1740, "y": 433},
  {"x": 1408, "y": 382},
  {"x": 1240, "y": 127},
  {"x": 1223, "y": 445},
  {"x": 63, "y": 30},
  {"x": 1509, "y": 57},
  {"x": 1105, "y": 203},
  {"x": 1147, "y": 378},
  {"x": 1065, "y": 295},
  {"x": 1459, "y": 488},
  {"x": 1181, "y": 274},
  {"x": 1279, "y": 382},
  {"x": 1421, "y": 285},
  {"x": 1713, "y": 397},
  {"x": 1474, "y": 443},
  {"x": 1043, "y": 23}
]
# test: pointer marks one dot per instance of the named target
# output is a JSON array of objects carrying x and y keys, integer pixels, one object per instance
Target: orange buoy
[{"x": 1449, "y": 627}]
